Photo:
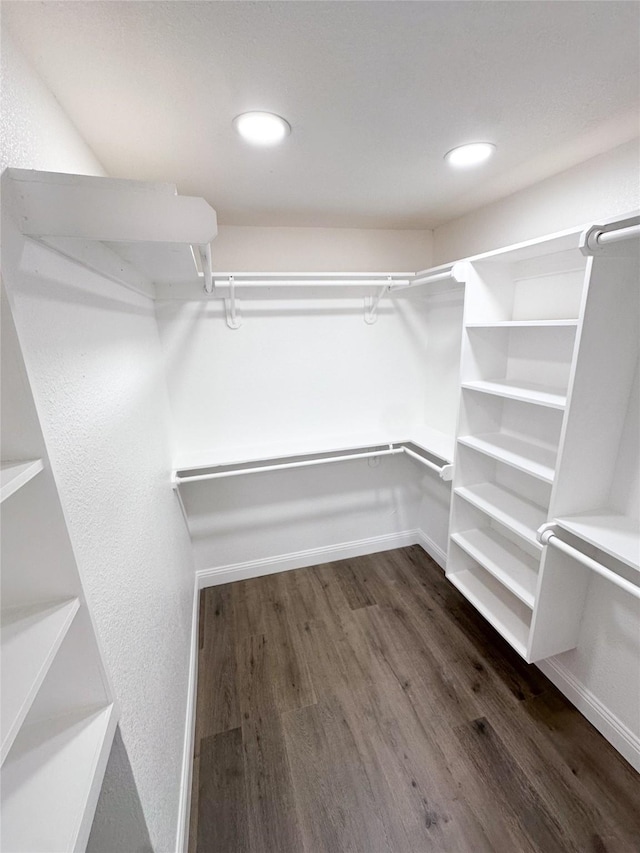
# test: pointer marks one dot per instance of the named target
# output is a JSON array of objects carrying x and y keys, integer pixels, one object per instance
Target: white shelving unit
[
  {"x": 523, "y": 311},
  {"x": 594, "y": 503},
  {"x": 58, "y": 714}
]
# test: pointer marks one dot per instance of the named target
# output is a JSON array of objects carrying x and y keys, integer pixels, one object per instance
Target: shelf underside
[
  {"x": 525, "y": 324},
  {"x": 30, "y": 639},
  {"x": 611, "y": 532},
  {"x": 50, "y": 779},
  {"x": 535, "y": 459},
  {"x": 507, "y": 508},
  {"x": 14, "y": 475},
  {"x": 540, "y": 395}
]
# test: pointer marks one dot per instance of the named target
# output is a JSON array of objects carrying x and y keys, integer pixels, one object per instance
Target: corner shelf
[
  {"x": 515, "y": 513},
  {"x": 31, "y": 636},
  {"x": 540, "y": 395},
  {"x": 51, "y": 781},
  {"x": 611, "y": 532},
  {"x": 510, "y": 565},
  {"x": 14, "y": 475},
  {"x": 524, "y": 455}
]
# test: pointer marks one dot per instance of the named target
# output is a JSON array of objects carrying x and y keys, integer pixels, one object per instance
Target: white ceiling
[{"x": 376, "y": 93}]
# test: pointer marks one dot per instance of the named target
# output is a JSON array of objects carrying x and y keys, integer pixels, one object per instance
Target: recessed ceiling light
[
  {"x": 262, "y": 128},
  {"x": 469, "y": 155}
]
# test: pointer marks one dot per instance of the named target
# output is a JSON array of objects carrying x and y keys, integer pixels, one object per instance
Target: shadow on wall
[{"x": 119, "y": 823}]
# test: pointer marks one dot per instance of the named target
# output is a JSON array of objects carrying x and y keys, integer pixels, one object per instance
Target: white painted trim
[
  {"x": 614, "y": 730},
  {"x": 433, "y": 550},
  {"x": 309, "y": 557},
  {"x": 184, "y": 806}
]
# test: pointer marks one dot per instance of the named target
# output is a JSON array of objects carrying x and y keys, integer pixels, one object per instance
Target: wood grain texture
[{"x": 366, "y": 706}]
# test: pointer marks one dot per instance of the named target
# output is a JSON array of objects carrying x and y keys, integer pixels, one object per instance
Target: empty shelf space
[
  {"x": 513, "y": 512},
  {"x": 515, "y": 569},
  {"x": 616, "y": 534},
  {"x": 51, "y": 777},
  {"x": 509, "y": 617},
  {"x": 14, "y": 475},
  {"x": 541, "y": 395},
  {"x": 31, "y": 637},
  {"x": 525, "y": 324},
  {"x": 534, "y": 459}
]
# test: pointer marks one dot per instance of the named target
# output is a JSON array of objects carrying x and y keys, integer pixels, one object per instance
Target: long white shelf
[
  {"x": 534, "y": 459},
  {"x": 515, "y": 569},
  {"x": 14, "y": 475},
  {"x": 51, "y": 781},
  {"x": 501, "y": 609},
  {"x": 31, "y": 637},
  {"x": 431, "y": 441},
  {"x": 512, "y": 511},
  {"x": 616, "y": 534},
  {"x": 540, "y": 395},
  {"x": 524, "y": 324}
]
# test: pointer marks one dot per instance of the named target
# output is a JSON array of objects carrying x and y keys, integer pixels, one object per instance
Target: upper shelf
[{"x": 146, "y": 232}]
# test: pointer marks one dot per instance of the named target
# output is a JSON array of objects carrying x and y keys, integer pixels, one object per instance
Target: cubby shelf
[
  {"x": 31, "y": 636},
  {"x": 14, "y": 475},
  {"x": 512, "y": 511},
  {"x": 611, "y": 532},
  {"x": 509, "y": 616},
  {"x": 534, "y": 459},
  {"x": 51, "y": 781},
  {"x": 541, "y": 395},
  {"x": 515, "y": 569}
]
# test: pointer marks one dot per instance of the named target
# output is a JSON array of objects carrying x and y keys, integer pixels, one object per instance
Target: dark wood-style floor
[{"x": 365, "y": 706}]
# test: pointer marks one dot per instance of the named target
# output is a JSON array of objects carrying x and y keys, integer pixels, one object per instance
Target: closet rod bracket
[
  {"x": 231, "y": 307},
  {"x": 371, "y": 303}
]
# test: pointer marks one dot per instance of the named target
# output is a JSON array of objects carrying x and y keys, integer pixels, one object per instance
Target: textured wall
[
  {"x": 604, "y": 186},
  {"x": 93, "y": 353},
  {"x": 34, "y": 131}
]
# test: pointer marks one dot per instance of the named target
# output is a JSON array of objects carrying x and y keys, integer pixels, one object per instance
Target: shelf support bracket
[
  {"x": 234, "y": 320},
  {"x": 371, "y": 303},
  {"x": 205, "y": 260}
]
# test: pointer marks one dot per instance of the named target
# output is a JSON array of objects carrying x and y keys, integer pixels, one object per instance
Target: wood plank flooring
[{"x": 365, "y": 706}]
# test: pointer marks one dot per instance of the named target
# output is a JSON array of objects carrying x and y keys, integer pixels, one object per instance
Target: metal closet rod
[
  {"x": 388, "y": 450},
  {"x": 317, "y": 281},
  {"x": 547, "y": 536}
]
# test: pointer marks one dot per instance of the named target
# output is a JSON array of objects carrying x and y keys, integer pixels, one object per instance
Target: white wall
[
  {"x": 606, "y": 185},
  {"x": 93, "y": 355},
  {"x": 601, "y": 673}
]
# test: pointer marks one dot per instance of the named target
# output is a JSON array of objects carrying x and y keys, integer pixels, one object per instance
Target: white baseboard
[
  {"x": 616, "y": 732},
  {"x": 184, "y": 807},
  {"x": 310, "y": 557},
  {"x": 433, "y": 550}
]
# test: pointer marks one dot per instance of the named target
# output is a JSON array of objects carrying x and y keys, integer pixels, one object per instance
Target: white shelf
[
  {"x": 437, "y": 443},
  {"x": 51, "y": 781},
  {"x": 501, "y": 609},
  {"x": 14, "y": 475},
  {"x": 513, "y": 512},
  {"x": 540, "y": 395},
  {"x": 524, "y": 324},
  {"x": 31, "y": 636},
  {"x": 609, "y": 531},
  {"x": 515, "y": 569},
  {"x": 534, "y": 459}
]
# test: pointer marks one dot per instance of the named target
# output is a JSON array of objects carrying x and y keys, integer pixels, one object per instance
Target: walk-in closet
[{"x": 320, "y": 427}]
